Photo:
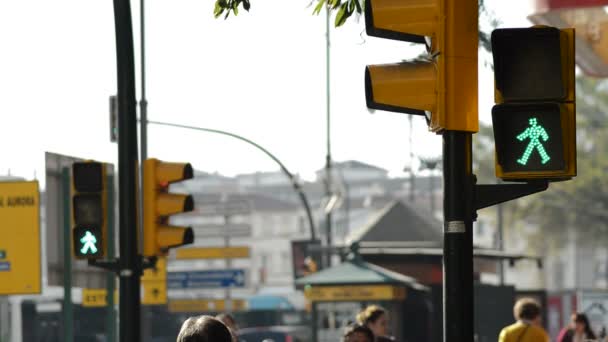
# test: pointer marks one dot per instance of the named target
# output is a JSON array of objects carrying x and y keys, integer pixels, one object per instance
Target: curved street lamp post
[{"x": 292, "y": 179}]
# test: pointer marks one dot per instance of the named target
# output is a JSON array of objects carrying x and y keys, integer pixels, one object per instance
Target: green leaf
[
  {"x": 319, "y": 7},
  {"x": 235, "y": 8},
  {"x": 341, "y": 16},
  {"x": 218, "y": 9},
  {"x": 246, "y": 5},
  {"x": 335, "y": 3},
  {"x": 358, "y": 5}
]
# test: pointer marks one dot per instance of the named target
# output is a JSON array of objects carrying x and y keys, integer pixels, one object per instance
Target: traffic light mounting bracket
[
  {"x": 486, "y": 195},
  {"x": 113, "y": 265}
]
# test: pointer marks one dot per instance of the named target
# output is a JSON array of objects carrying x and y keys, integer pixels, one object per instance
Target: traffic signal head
[
  {"x": 442, "y": 86},
  {"x": 535, "y": 119},
  {"x": 159, "y": 204},
  {"x": 89, "y": 195}
]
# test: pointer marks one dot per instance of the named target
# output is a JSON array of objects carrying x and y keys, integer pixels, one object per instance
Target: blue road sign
[{"x": 206, "y": 279}]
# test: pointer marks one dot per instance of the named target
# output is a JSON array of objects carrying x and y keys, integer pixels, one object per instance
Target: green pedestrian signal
[
  {"x": 88, "y": 243},
  {"x": 534, "y": 119},
  {"x": 529, "y": 137},
  {"x": 89, "y": 222},
  {"x": 535, "y": 132}
]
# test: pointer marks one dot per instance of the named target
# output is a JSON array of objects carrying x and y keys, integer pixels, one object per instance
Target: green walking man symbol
[
  {"x": 89, "y": 241},
  {"x": 535, "y": 133}
]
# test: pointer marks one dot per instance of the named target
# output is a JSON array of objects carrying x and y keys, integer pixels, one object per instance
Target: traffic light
[
  {"x": 535, "y": 116},
  {"x": 159, "y": 204},
  {"x": 89, "y": 195},
  {"x": 442, "y": 86}
]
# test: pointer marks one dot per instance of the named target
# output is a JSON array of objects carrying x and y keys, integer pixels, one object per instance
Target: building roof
[
  {"x": 398, "y": 222},
  {"x": 405, "y": 249},
  {"x": 358, "y": 272},
  {"x": 353, "y": 164}
]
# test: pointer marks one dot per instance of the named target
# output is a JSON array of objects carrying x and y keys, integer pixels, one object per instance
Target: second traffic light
[
  {"x": 535, "y": 116},
  {"x": 159, "y": 204},
  {"x": 89, "y": 196}
]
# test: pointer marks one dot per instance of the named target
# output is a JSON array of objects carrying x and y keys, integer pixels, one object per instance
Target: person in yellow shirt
[{"x": 528, "y": 326}]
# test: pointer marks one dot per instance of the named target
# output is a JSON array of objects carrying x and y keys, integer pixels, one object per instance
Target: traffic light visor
[
  {"x": 528, "y": 64},
  {"x": 88, "y": 209},
  {"x": 529, "y": 137},
  {"x": 411, "y": 21},
  {"x": 408, "y": 87},
  {"x": 88, "y": 176},
  {"x": 170, "y": 237}
]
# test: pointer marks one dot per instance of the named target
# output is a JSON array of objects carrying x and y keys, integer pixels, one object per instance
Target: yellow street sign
[
  {"x": 354, "y": 293},
  {"x": 213, "y": 253},
  {"x": 19, "y": 238},
  {"x": 96, "y": 297},
  {"x": 158, "y": 273},
  {"x": 154, "y": 284},
  {"x": 154, "y": 292},
  {"x": 205, "y": 305}
]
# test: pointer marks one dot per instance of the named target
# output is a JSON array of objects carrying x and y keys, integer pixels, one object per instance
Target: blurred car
[{"x": 275, "y": 334}]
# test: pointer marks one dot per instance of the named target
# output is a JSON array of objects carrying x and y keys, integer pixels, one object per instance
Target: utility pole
[
  {"x": 501, "y": 243},
  {"x": 228, "y": 293},
  {"x": 130, "y": 268},
  {"x": 143, "y": 103},
  {"x": 411, "y": 147},
  {"x": 328, "y": 175}
]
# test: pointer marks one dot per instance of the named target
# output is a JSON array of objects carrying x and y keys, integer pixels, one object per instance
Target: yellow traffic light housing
[
  {"x": 443, "y": 87},
  {"x": 535, "y": 116},
  {"x": 89, "y": 198},
  {"x": 159, "y": 204}
]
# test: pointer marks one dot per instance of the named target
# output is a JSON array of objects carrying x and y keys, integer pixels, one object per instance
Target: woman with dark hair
[{"x": 578, "y": 331}]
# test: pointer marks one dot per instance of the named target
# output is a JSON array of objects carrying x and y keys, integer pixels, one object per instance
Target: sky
[{"x": 260, "y": 75}]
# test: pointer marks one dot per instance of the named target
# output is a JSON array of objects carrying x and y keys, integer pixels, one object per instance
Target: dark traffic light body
[
  {"x": 535, "y": 116},
  {"x": 159, "y": 204},
  {"x": 89, "y": 198}
]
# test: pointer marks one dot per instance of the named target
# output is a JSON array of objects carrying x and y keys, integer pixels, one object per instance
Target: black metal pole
[
  {"x": 458, "y": 237},
  {"x": 130, "y": 265},
  {"x": 110, "y": 280}
]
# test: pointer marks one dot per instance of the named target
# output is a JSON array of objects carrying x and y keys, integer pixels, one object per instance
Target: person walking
[
  {"x": 527, "y": 328},
  {"x": 376, "y": 319},
  {"x": 578, "y": 330}
]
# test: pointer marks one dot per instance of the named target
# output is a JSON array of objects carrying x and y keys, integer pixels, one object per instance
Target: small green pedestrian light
[
  {"x": 89, "y": 243},
  {"x": 535, "y": 133}
]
